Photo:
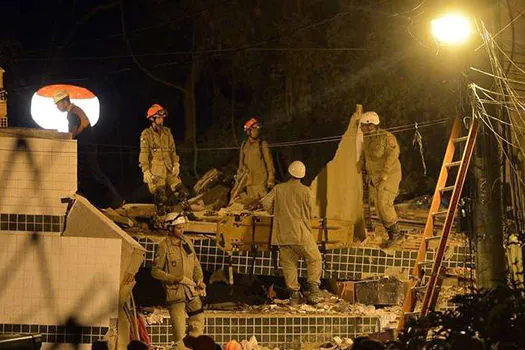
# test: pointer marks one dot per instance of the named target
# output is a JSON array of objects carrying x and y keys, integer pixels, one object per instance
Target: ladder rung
[
  {"x": 442, "y": 212},
  {"x": 448, "y": 188},
  {"x": 412, "y": 313},
  {"x": 426, "y": 262},
  {"x": 432, "y": 238},
  {"x": 418, "y": 288},
  {"x": 456, "y": 163},
  {"x": 461, "y": 139}
]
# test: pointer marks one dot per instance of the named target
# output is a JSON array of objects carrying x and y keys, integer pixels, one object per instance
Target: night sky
[{"x": 82, "y": 43}]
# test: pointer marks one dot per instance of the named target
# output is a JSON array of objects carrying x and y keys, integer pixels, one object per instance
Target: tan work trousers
[
  {"x": 383, "y": 199},
  {"x": 289, "y": 257},
  {"x": 178, "y": 313},
  {"x": 165, "y": 180}
]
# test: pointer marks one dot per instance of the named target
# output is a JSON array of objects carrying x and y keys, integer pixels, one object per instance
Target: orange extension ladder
[{"x": 418, "y": 282}]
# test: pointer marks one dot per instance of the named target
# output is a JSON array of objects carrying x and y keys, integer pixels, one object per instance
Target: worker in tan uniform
[
  {"x": 291, "y": 206},
  {"x": 158, "y": 157},
  {"x": 255, "y": 162},
  {"x": 380, "y": 159},
  {"x": 177, "y": 266}
]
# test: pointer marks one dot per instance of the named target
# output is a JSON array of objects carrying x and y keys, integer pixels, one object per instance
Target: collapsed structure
[{"x": 82, "y": 266}]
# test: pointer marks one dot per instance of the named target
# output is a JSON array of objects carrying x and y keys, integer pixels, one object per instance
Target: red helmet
[
  {"x": 252, "y": 123},
  {"x": 156, "y": 110},
  {"x": 233, "y": 345}
]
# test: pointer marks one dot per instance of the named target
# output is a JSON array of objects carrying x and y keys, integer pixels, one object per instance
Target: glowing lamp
[
  {"x": 452, "y": 29},
  {"x": 46, "y": 114}
]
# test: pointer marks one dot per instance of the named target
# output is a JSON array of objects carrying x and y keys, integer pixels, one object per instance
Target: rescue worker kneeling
[
  {"x": 177, "y": 266},
  {"x": 291, "y": 205}
]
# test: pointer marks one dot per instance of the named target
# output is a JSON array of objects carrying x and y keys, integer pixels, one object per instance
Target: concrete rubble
[{"x": 387, "y": 290}]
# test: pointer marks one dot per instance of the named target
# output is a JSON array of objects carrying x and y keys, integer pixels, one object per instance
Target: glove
[
  {"x": 176, "y": 169},
  {"x": 188, "y": 282},
  {"x": 201, "y": 289},
  {"x": 148, "y": 176}
]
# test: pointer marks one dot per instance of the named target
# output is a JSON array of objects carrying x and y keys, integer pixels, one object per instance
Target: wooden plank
[{"x": 202, "y": 227}]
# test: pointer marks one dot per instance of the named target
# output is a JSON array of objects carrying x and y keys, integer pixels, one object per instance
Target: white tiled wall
[
  {"x": 47, "y": 280},
  {"x": 34, "y": 182}
]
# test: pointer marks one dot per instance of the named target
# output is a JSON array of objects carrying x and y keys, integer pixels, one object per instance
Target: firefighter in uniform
[
  {"x": 177, "y": 266},
  {"x": 291, "y": 205},
  {"x": 158, "y": 157},
  {"x": 380, "y": 159},
  {"x": 255, "y": 160}
]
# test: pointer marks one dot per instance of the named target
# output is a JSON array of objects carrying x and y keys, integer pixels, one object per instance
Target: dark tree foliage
[
  {"x": 301, "y": 66},
  {"x": 482, "y": 320}
]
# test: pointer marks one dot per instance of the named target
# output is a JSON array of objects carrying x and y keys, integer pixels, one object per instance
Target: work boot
[
  {"x": 394, "y": 235},
  {"x": 314, "y": 294},
  {"x": 295, "y": 297}
]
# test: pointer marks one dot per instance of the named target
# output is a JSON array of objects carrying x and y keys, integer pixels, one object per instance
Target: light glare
[
  {"x": 451, "y": 29},
  {"x": 46, "y": 114}
]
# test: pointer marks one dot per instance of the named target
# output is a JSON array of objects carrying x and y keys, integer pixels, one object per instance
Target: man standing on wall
[
  {"x": 88, "y": 167},
  {"x": 255, "y": 162},
  {"x": 177, "y": 266},
  {"x": 291, "y": 205},
  {"x": 380, "y": 157},
  {"x": 158, "y": 157}
]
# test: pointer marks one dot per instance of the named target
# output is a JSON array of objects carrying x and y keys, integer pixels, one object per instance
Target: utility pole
[{"x": 487, "y": 199}]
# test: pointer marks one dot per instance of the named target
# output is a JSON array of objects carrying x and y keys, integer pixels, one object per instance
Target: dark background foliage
[{"x": 300, "y": 66}]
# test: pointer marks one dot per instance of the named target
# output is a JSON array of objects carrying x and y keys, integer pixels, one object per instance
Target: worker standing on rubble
[
  {"x": 291, "y": 205},
  {"x": 255, "y": 162},
  {"x": 158, "y": 157},
  {"x": 88, "y": 167},
  {"x": 380, "y": 159},
  {"x": 177, "y": 266}
]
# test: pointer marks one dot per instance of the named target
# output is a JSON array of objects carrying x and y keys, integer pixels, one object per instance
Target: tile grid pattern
[
  {"x": 276, "y": 331},
  {"x": 55, "y": 334},
  {"x": 40, "y": 172},
  {"x": 31, "y": 223},
  {"x": 345, "y": 263}
]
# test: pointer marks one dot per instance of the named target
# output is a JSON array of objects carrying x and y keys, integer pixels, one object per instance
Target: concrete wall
[
  {"x": 37, "y": 169},
  {"x": 338, "y": 189},
  {"x": 52, "y": 278}
]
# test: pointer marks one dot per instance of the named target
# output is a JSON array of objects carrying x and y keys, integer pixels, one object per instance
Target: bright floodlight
[
  {"x": 46, "y": 114},
  {"x": 451, "y": 29}
]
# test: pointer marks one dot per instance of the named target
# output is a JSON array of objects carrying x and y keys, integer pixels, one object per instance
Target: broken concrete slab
[
  {"x": 346, "y": 291},
  {"x": 143, "y": 210},
  {"x": 338, "y": 189},
  {"x": 383, "y": 291},
  {"x": 118, "y": 219}
]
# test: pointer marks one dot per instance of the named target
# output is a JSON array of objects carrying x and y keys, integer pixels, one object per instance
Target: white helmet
[
  {"x": 297, "y": 169},
  {"x": 174, "y": 219},
  {"x": 370, "y": 118}
]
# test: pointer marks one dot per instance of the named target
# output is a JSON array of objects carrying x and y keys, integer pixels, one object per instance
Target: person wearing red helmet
[
  {"x": 158, "y": 158},
  {"x": 256, "y": 161}
]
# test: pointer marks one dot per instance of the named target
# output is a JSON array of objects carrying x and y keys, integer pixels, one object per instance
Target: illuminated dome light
[
  {"x": 46, "y": 114},
  {"x": 452, "y": 29}
]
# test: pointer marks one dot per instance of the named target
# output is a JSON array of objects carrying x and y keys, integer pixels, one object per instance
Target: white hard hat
[
  {"x": 297, "y": 169},
  {"x": 174, "y": 219},
  {"x": 370, "y": 118}
]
